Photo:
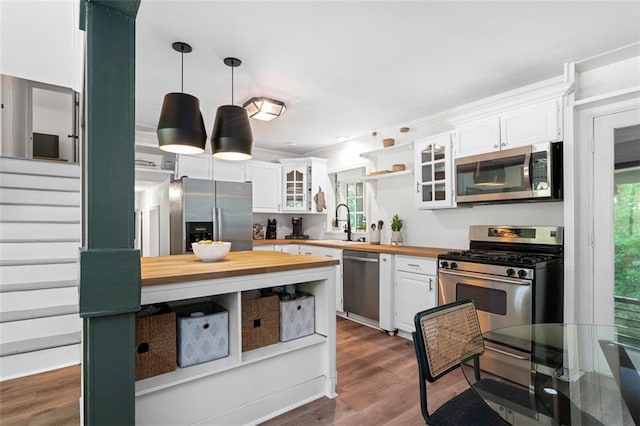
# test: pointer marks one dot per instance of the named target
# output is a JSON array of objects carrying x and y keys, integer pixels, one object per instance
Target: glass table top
[{"x": 557, "y": 374}]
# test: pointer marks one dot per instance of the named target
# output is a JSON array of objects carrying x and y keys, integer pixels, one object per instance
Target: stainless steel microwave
[{"x": 529, "y": 173}]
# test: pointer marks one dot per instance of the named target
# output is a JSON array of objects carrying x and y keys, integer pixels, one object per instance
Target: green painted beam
[{"x": 109, "y": 266}]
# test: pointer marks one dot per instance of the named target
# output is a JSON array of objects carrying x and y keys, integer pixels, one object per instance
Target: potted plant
[{"x": 396, "y": 228}]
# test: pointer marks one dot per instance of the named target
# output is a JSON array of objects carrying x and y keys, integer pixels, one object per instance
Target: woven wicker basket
[
  {"x": 260, "y": 321},
  {"x": 388, "y": 142},
  {"x": 155, "y": 345}
]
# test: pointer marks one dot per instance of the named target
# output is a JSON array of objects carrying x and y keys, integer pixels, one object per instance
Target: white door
[
  {"x": 154, "y": 232},
  {"x": 414, "y": 293},
  {"x": 616, "y": 217}
]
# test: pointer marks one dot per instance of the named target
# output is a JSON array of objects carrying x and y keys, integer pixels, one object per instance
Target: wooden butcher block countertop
[
  {"x": 187, "y": 267},
  {"x": 353, "y": 245}
]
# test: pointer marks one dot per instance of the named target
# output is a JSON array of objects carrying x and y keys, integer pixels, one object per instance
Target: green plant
[{"x": 396, "y": 223}]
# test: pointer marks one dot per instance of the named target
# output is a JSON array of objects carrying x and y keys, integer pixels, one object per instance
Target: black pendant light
[
  {"x": 181, "y": 127},
  {"x": 232, "y": 138}
]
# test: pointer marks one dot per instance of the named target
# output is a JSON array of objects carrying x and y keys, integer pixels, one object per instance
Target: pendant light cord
[
  {"x": 232, "y": 85},
  {"x": 182, "y": 69}
]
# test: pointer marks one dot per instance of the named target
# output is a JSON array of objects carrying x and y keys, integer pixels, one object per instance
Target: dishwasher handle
[{"x": 360, "y": 259}]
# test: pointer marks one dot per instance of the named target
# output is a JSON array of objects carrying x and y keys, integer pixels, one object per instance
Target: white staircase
[{"x": 40, "y": 231}]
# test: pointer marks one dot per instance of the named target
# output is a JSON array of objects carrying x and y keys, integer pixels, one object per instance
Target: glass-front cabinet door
[
  {"x": 295, "y": 186},
  {"x": 433, "y": 171}
]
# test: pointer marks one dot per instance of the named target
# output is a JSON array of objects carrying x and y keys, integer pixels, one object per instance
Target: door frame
[{"x": 602, "y": 125}]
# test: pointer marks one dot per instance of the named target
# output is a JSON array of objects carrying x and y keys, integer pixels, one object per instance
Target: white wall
[{"x": 51, "y": 37}]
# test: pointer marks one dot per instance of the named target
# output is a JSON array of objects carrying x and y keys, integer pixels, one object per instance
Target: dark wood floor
[
  {"x": 377, "y": 385},
  {"x": 42, "y": 399}
]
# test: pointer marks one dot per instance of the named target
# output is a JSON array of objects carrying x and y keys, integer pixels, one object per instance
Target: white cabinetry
[
  {"x": 250, "y": 385},
  {"x": 301, "y": 179},
  {"x": 194, "y": 166},
  {"x": 539, "y": 122},
  {"x": 230, "y": 171},
  {"x": 204, "y": 166},
  {"x": 267, "y": 182},
  {"x": 333, "y": 253},
  {"x": 433, "y": 167},
  {"x": 416, "y": 289}
]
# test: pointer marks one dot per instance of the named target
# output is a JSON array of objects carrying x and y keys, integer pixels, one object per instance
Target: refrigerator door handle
[{"x": 217, "y": 224}]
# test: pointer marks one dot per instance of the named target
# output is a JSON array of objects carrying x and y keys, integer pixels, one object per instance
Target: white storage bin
[
  {"x": 202, "y": 333},
  {"x": 297, "y": 316}
]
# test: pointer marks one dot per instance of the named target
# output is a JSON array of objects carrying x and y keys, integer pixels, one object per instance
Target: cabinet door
[
  {"x": 194, "y": 166},
  {"x": 295, "y": 190},
  {"x": 333, "y": 254},
  {"x": 533, "y": 124},
  {"x": 266, "y": 179},
  {"x": 414, "y": 293},
  {"x": 230, "y": 171},
  {"x": 477, "y": 137},
  {"x": 266, "y": 247},
  {"x": 433, "y": 169}
]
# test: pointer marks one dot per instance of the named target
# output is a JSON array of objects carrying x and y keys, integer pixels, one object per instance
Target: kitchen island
[{"x": 245, "y": 387}]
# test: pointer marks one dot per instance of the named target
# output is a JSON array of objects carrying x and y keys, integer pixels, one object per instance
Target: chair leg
[
  {"x": 422, "y": 381},
  {"x": 476, "y": 368}
]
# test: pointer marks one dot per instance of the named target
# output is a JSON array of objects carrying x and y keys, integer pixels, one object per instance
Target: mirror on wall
[{"x": 39, "y": 121}]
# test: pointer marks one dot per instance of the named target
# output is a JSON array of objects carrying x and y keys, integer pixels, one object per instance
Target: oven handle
[
  {"x": 486, "y": 277},
  {"x": 500, "y": 351}
]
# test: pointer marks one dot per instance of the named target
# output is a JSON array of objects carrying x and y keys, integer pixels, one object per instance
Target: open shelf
[
  {"x": 152, "y": 175},
  {"x": 389, "y": 150},
  {"x": 389, "y": 175},
  {"x": 281, "y": 348}
]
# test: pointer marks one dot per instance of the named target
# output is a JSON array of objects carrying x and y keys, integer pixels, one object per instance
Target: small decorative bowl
[
  {"x": 388, "y": 142},
  {"x": 211, "y": 252},
  {"x": 398, "y": 167}
]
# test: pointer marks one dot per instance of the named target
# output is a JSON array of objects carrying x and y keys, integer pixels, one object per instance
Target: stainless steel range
[{"x": 514, "y": 274}]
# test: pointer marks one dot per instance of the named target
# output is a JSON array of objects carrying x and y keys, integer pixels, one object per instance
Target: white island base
[{"x": 245, "y": 387}]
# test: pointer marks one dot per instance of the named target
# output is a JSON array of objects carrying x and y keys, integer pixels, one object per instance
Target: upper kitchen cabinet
[
  {"x": 204, "y": 166},
  {"x": 230, "y": 171},
  {"x": 301, "y": 179},
  {"x": 267, "y": 181},
  {"x": 198, "y": 166},
  {"x": 539, "y": 122},
  {"x": 434, "y": 172}
]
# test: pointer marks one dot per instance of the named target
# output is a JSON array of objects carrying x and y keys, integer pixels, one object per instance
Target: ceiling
[{"x": 346, "y": 68}]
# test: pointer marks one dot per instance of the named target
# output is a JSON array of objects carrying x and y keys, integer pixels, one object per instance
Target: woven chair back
[{"x": 448, "y": 331}]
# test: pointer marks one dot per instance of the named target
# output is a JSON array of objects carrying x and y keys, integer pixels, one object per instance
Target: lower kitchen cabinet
[
  {"x": 416, "y": 289},
  {"x": 334, "y": 254}
]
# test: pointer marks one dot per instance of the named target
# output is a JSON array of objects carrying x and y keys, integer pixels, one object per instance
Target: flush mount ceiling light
[
  {"x": 181, "y": 128},
  {"x": 264, "y": 109},
  {"x": 232, "y": 138}
]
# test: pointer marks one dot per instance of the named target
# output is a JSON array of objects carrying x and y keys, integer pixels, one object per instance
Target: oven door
[{"x": 500, "y": 301}]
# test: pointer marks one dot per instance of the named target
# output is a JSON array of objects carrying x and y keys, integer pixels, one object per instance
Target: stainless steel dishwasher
[{"x": 361, "y": 283}]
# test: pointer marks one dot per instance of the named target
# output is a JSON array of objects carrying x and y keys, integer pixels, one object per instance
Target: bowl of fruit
[{"x": 211, "y": 251}]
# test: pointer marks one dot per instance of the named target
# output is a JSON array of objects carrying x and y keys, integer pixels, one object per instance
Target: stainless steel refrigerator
[{"x": 210, "y": 210}]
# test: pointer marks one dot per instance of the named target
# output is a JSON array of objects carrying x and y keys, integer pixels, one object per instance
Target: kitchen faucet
[{"x": 348, "y": 230}]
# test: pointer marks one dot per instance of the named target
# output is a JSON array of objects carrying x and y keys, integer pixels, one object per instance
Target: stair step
[
  {"x": 30, "y": 181},
  {"x": 43, "y": 285},
  {"x": 29, "y": 314},
  {"x": 28, "y": 329},
  {"x": 39, "y": 167},
  {"x": 28, "y": 363},
  {"x": 38, "y": 298},
  {"x": 33, "y": 262},
  {"x": 40, "y": 230},
  {"x": 40, "y": 196},
  {"x": 30, "y": 213},
  {"x": 38, "y": 250},
  {"x": 36, "y": 273}
]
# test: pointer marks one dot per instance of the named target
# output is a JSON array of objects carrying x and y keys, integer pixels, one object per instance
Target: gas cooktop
[{"x": 501, "y": 257}]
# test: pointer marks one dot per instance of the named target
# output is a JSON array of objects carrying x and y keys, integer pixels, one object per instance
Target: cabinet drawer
[{"x": 418, "y": 265}]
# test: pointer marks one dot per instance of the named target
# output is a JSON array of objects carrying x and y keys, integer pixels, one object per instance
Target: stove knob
[
  {"x": 444, "y": 264},
  {"x": 454, "y": 265},
  {"x": 511, "y": 272},
  {"x": 522, "y": 273}
]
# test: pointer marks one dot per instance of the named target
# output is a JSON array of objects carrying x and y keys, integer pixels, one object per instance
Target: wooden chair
[{"x": 441, "y": 335}]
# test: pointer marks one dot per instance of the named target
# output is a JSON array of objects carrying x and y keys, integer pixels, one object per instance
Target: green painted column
[{"x": 109, "y": 266}]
